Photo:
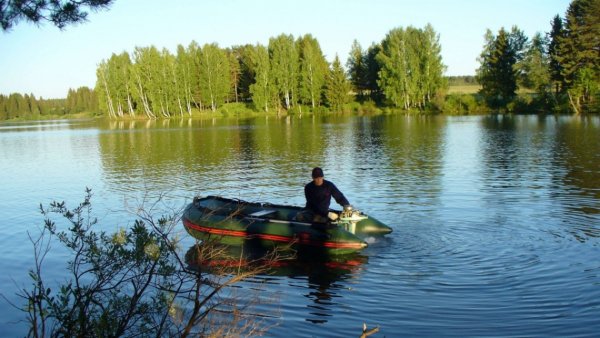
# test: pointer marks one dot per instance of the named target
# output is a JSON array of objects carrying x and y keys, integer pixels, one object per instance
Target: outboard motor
[{"x": 349, "y": 217}]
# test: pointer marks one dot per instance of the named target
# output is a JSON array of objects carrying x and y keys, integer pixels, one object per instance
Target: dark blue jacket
[{"x": 318, "y": 198}]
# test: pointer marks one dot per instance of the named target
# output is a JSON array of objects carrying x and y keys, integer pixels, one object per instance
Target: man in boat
[{"x": 318, "y": 194}]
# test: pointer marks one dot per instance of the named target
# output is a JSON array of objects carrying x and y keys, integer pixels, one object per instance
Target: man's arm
[{"x": 338, "y": 196}]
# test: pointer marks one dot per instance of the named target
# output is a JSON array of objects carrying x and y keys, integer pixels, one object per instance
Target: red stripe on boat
[
  {"x": 274, "y": 238},
  {"x": 215, "y": 231}
]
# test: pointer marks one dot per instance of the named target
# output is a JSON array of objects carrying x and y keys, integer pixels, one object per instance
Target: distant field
[{"x": 464, "y": 89}]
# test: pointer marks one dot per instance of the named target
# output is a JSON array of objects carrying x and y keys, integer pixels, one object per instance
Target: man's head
[{"x": 317, "y": 175}]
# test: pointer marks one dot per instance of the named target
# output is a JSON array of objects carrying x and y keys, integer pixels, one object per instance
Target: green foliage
[
  {"x": 313, "y": 71},
  {"x": 235, "y": 108},
  {"x": 578, "y": 54},
  {"x": 461, "y": 80},
  {"x": 411, "y": 67},
  {"x": 263, "y": 90},
  {"x": 338, "y": 86},
  {"x": 214, "y": 75},
  {"x": 497, "y": 73},
  {"x": 18, "y": 106},
  {"x": 357, "y": 68},
  {"x": 184, "y": 78},
  {"x": 133, "y": 282},
  {"x": 247, "y": 72},
  {"x": 284, "y": 57},
  {"x": 373, "y": 68},
  {"x": 562, "y": 68},
  {"x": 534, "y": 69},
  {"x": 81, "y": 100},
  {"x": 364, "y": 69},
  {"x": 556, "y": 35},
  {"x": 463, "y": 104}
]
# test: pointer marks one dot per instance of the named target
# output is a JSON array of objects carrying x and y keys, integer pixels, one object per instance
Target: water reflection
[
  {"x": 495, "y": 218},
  {"x": 534, "y": 165},
  {"x": 324, "y": 276}
]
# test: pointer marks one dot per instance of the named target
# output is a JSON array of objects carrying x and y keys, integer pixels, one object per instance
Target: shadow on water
[{"x": 321, "y": 272}]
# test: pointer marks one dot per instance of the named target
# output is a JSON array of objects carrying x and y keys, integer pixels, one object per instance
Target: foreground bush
[{"x": 132, "y": 283}]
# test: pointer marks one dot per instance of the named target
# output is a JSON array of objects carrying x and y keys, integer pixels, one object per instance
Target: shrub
[{"x": 134, "y": 282}]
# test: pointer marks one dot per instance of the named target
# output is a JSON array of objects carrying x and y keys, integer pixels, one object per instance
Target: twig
[{"x": 367, "y": 333}]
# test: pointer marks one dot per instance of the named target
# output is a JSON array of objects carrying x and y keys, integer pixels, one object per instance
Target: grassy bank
[{"x": 464, "y": 89}]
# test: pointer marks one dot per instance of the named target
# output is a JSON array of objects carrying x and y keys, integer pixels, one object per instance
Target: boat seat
[{"x": 262, "y": 213}]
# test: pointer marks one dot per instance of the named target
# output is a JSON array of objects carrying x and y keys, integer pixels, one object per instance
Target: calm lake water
[{"x": 496, "y": 219}]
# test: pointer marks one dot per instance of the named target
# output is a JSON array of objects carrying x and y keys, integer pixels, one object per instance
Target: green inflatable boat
[{"x": 236, "y": 222}]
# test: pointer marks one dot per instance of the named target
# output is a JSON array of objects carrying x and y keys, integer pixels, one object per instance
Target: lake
[{"x": 496, "y": 218}]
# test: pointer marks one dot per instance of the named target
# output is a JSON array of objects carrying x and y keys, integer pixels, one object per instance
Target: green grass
[{"x": 464, "y": 89}]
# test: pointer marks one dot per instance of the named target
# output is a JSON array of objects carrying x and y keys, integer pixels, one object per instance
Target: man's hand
[{"x": 333, "y": 216}]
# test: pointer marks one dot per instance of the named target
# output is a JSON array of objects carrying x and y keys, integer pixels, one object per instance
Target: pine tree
[
  {"x": 556, "y": 35},
  {"x": 246, "y": 71},
  {"x": 338, "y": 86},
  {"x": 357, "y": 69},
  {"x": 373, "y": 69},
  {"x": 578, "y": 54},
  {"x": 497, "y": 73}
]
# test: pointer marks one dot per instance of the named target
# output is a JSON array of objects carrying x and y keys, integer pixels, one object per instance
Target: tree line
[
  {"x": 562, "y": 67},
  {"x": 27, "y": 106},
  {"x": 557, "y": 71},
  {"x": 404, "y": 70},
  {"x": 155, "y": 83}
]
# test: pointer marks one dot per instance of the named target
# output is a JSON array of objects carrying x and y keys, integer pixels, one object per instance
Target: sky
[{"x": 45, "y": 61}]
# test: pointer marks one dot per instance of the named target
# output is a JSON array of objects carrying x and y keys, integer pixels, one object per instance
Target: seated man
[{"x": 318, "y": 198}]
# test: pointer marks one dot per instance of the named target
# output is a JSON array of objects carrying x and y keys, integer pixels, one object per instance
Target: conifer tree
[
  {"x": 338, "y": 86},
  {"x": 497, "y": 73},
  {"x": 554, "y": 48},
  {"x": 357, "y": 69},
  {"x": 578, "y": 54}
]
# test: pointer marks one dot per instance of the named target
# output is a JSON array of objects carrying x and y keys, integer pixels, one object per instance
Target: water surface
[{"x": 496, "y": 219}]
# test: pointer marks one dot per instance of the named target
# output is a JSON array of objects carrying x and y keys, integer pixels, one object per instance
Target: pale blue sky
[{"x": 47, "y": 62}]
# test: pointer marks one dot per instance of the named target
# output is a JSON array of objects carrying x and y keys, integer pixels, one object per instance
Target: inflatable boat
[{"x": 236, "y": 222}]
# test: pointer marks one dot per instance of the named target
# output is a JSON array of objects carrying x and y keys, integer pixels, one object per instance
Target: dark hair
[{"x": 317, "y": 172}]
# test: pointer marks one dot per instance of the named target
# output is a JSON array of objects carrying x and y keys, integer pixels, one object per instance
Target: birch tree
[
  {"x": 144, "y": 78},
  {"x": 263, "y": 90},
  {"x": 214, "y": 75},
  {"x": 105, "y": 100},
  {"x": 184, "y": 73},
  {"x": 313, "y": 70},
  {"x": 284, "y": 65},
  {"x": 393, "y": 76},
  {"x": 432, "y": 67}
]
